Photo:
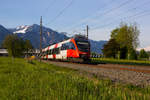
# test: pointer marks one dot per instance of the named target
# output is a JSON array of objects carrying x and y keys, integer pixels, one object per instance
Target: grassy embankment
[
  {"x": 39, "y": 81},
  {"x": 116, "y": 61}
]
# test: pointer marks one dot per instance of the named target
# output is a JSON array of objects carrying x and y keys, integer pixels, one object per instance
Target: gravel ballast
[{"x": 116, "y": 75}]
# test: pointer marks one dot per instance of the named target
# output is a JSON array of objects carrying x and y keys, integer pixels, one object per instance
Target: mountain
[
  {"x": 97, "y": 46},
  {"x": 32, "y": 33},
  {"x": 3, "y": 33}
]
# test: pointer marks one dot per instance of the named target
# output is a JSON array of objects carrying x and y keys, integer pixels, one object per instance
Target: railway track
[
  {"x": 142, "y": 69},
  {"x": 136, "y": 75}
]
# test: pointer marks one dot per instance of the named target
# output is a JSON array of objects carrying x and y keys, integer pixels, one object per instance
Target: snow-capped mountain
[
  {"x": 32, "y": 33},
  {"x": 21, "y": 29}
]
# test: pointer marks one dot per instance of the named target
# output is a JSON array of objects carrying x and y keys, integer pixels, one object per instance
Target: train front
[{"x": 83, "y": 46}]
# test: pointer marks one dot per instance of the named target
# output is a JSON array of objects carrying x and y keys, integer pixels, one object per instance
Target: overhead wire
[
  {"x": 122, "y": 4},
  {"x": 60, "y": 13},
  {"x": 115, "y": 8},
  {"x": 129, "y": 17},
  {"x": 48, "y": 7},
  {"x": 128, "y": 10},
  {"x": 82, "y": 21},
  {"x": 135, "y": 15}
]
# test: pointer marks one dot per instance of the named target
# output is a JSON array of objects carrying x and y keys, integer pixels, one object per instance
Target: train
[{"x": 76, "y": 49}]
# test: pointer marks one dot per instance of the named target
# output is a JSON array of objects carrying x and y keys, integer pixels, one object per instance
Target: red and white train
[{"x": 74, "y": 49}]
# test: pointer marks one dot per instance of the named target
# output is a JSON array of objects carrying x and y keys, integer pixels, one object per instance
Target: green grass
[
  {"x": 116, "y": 61},
  {"x": 39, "y": 81}
]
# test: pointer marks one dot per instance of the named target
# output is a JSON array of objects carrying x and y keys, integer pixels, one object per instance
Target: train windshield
[{"x": 83, "y": 45}]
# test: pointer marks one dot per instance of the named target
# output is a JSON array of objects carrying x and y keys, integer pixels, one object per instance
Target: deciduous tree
[
  {"x": 14, "y": 45},
  {"x": 127, "y": 37},
  {"x": 111, "y": 49},
  {"x": 143, "y": 54}
]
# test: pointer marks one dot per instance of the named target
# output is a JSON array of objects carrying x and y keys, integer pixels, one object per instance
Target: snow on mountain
[{"x": 21, "y": 29}]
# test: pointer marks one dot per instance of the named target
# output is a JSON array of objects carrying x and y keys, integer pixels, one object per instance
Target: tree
[
  {"x": 127, "y": 37},
  {"x": 133, "y": 55},
  {"x": 123, "y": 52},
  {"x": 114, "y": 33},
  {"x": 143, "y": 54},
  {"x": 28, "y": 46},
  {"x": 111, "y": 49},
  {"x": 14, "y": 45}
]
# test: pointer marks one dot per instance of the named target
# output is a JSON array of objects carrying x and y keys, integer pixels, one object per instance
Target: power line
[
  {"x": 61, "y": 12},
  {"x": 128, "y": 10},
  {"x": 116, "y": 8},
  {"x": 48, "y": 7},
  {"x": 113, "y": 9},
  {"x": 132, "y": 16},
  {"x": 83, "y": 20}
]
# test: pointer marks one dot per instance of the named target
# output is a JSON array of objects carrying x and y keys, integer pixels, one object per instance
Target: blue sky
[{"x": 72, "y": 16}]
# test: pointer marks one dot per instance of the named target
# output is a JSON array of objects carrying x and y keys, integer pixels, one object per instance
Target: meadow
[
  {"x": 121, "y": 61},
  {"x": 20, "y": 80}
]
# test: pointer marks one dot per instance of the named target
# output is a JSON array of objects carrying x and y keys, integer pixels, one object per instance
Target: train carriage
[{"x": 75, "y": 49}]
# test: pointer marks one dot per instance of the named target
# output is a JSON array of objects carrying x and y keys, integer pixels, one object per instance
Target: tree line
[
  {"x": 16, "y": 46},
  {"x": 123, "y": 43}
]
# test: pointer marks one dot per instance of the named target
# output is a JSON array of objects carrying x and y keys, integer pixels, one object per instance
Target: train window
[
  {"x": 47, "y": 52},
  {"x": 50, "y": 52},
  {"x": 71, "y": 46},
  {"x": 56, "y": 51},
  {"x": 68, "y": 45},
  {"x": 63, "y": 47},
  {"x": 44, "y": 53}
]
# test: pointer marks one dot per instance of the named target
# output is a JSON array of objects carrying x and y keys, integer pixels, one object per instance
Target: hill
[
  {"x": 32, "y": 33},
  {"x": 3, "y": 33}
]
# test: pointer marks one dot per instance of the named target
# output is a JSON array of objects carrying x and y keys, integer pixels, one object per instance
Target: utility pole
[
  {"x": 87, "y": 31},
  {"x": 40, "y": 37}
]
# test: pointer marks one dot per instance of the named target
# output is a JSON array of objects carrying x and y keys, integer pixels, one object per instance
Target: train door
[{"x": 63, "y": 52}]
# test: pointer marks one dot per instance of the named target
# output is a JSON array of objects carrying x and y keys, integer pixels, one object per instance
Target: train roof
[
  {"x": 80, "y": 36},
  {"x": 65, "y": 41}
]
